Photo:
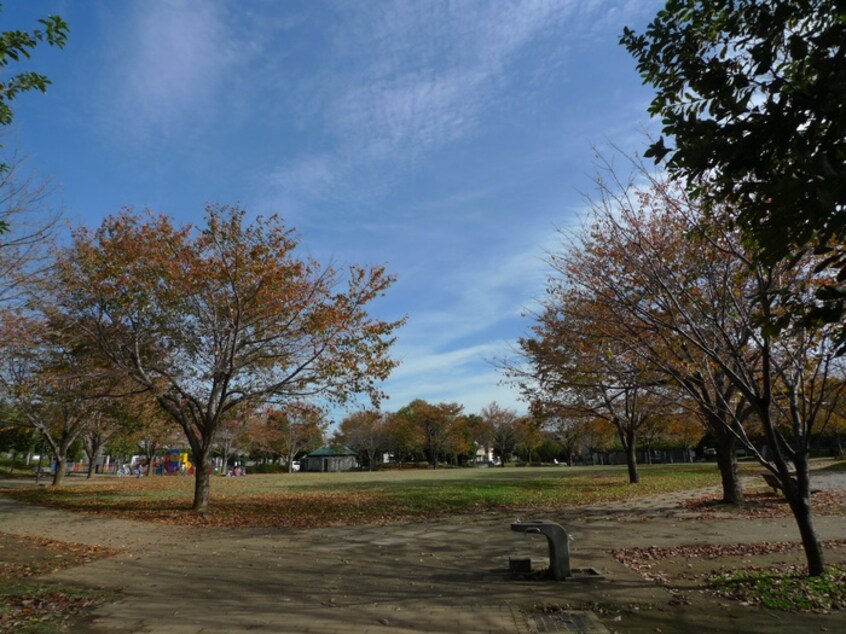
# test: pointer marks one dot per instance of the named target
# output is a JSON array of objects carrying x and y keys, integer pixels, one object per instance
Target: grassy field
[
  {"x": 323, "y": 499},
  {"x": 316, "y": 499}
]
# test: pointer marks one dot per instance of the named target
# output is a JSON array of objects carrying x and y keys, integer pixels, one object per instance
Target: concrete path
[{"x": 445, "y": 576}]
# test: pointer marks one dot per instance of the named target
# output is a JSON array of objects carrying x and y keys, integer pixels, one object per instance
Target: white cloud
[
  {"x": 434, "y": 68},
  {"x": 406, "y": 78},
  {"x": 419, "y": 362},
  {"x": 316, "y": 174},
  {"x": 446, "y": 352},
  {"x": 175, "y": 57},
  {"x": 462, "y": 375}
]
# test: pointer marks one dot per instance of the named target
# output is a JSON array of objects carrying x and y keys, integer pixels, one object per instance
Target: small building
[{"x": 330, "y": 458}]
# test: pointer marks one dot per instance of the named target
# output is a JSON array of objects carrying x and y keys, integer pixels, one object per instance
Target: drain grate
[{"x": 582, "y": 622}]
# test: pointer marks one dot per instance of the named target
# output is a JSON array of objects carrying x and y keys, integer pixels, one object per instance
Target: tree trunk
[
  {"x": 631, "y": 462},
  {"x": 798, "y": 493},
  {"x": 92, "y": 451},
  {"x": 61, "y": 466},
  {"x": 627, "y": 439},
  {"x": 810, "y": 541},
  {"x": 796, "y": 487},
  {"x": 725, "y": 446},
  {"x": 201, "y": 484}
]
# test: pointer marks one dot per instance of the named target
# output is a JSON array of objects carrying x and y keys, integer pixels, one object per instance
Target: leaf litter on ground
[{"x": 26, "y": 604}]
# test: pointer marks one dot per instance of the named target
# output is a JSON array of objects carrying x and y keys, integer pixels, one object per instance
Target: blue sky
[{"x": 446, "y": 140}]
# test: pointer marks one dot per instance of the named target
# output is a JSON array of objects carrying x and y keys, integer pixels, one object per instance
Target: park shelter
[{"x": 331, "y": 458}]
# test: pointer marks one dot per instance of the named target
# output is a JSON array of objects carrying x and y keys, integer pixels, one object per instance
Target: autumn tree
[
  {"x": 224, "y": 316},
  {"x": 635, "y": 224},
  {"x": 654, "y": 434},
  {"x": 528, "y": 435},
  {"x": 99, "y": 430},
  {"x": 715, "y": 310},
  {"x": 599, "y": 439},
  {"x": 572, "y": 366},
  {"x": 573, "y": 434},
  {"x": 16, "y": 436},
  {"x": 501, "y": 430},
  {"x": 403, "y": 437},
  {"x": 232, "y": 433},
  {"x": 682, "y": 429},
  {"x": 836, "y": 427},
  {"x": 293, "y": 429},
  {"x": 549, "y": 449},
  {"x": 29, "y": 226},
  {"x": 437, "y": 425},
  {"x": 364, "y": 432},
  {"x": 94, "y": 438},
  {"x": 44, "y": 379},
  {"x": 461, "y": 447}
]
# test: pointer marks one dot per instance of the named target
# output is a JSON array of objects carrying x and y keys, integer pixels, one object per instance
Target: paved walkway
[{"x": 445, "y": 576}]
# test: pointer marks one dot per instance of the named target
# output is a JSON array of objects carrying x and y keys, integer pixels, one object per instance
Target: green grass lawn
[{"x": 322, "y": 499}]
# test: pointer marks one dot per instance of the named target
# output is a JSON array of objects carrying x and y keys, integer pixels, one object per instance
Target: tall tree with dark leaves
[{"x": 752, "y": 97}]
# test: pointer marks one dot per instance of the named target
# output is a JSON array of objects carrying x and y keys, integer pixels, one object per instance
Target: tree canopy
[
  {"x": 751, "y": 92},
  {"x": 215, "y": 318}
]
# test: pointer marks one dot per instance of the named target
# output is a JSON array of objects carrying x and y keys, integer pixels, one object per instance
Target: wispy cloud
[
  {"x": 448, "y": 349},
  {"x": 462, "y": 375},
  {"x": 411, "y": 77},
  {"x": 175, "y": 56}
]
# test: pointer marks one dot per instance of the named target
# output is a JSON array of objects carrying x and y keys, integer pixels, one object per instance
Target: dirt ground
[{"x": 444, "y": 576}]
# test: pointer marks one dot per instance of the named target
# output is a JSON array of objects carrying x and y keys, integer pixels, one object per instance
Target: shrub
[{"x": 270, "y": 467}]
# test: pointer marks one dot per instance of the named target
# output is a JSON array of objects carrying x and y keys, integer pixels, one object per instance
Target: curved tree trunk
[
  {"x": 801, "y": 508},
  {"x": 796, "y": 485},
  {"x": 797, "y": 490}
]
